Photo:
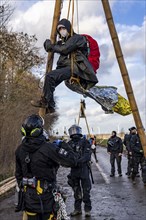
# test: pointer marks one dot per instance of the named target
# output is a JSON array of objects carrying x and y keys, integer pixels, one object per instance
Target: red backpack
[{"x": 94, "y": 53}]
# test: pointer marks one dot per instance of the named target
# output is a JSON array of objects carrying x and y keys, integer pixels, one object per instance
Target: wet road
[{"x": 112, "y": 198}]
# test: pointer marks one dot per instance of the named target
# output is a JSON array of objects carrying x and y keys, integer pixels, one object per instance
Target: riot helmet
[
  {"x": 32, "y": 126},
  {"x": 75, "y": 130}
]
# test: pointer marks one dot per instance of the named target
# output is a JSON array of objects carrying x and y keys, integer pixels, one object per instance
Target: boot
[
  {"x": 76, "y": 212},
  {"x": 87, "y": 214}
]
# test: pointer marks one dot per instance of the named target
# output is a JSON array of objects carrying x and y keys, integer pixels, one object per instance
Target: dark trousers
[
  {"x": 113, "y": 157},
  {"x": 94, "y": 152},
  {"x": 130, "y": 164},
  {"x": 52, "y": 80},
  {"x": 81, "y": 188},
  {"x": 137, "y": 160}
]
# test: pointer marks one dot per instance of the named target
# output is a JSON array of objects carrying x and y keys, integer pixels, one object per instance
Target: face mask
[{"x": 63, "y": 33}]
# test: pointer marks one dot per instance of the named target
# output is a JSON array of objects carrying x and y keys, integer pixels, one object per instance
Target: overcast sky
[{"x": 35, "y": 17}]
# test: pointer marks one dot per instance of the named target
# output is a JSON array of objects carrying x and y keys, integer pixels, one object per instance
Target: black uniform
[
  {"x": 114, "y": 147},
  {"x": 80, "y": 180},
  {"x": 92, "y": 141},
  {"x": 82, "y": 68},
  {"x": 137, "y": 153},
  {"x": 37, "y": 162},
  {"x": 126, "y": 142}
]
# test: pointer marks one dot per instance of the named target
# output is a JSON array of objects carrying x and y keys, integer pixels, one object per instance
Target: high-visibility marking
[{"x": 106, "y": 179}]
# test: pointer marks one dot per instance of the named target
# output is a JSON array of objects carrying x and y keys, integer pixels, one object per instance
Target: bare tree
[
  {"x": 18, "y": 86},
  {"x": 6, "y": 10}
]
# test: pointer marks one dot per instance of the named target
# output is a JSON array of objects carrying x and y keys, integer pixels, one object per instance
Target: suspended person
[
  {"x": 137, "y": 152},
  {"x": 115, "y": 149},
  {"x": 37, "y": 162},
  {"x": 70, "y": 47},
  {"x": 79, "y": 178}
]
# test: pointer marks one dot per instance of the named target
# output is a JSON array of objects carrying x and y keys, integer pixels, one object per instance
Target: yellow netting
[{"x": 122, "y": 107}]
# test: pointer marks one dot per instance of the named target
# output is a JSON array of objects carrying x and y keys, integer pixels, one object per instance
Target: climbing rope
[
  {"x": 61, "y": 213},
  {"x": 68, "y": 9},
  {"x": 77, "y": 9},
  {"x": 73, "y": 79}
]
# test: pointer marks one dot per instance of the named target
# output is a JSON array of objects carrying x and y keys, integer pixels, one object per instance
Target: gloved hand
[
  {"x": 57, "y": 142},
  {"x": 65, "y": 146},
  {"x": 48, "y": 45}
]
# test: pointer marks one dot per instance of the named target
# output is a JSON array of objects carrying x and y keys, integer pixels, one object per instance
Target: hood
[
  {"x": 31, "y": 144},
  {"x": 66, "y": 23}
]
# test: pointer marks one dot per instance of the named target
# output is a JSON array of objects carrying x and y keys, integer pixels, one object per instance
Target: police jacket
[
  {"x": 114, "y": 145},
  {"x": 37, "y": 158},
  {"x": 82, "y": 147},
  {"x": 77, "y": 46},
  {"x": 126, "y": 142},
  {"x": 135, "y": 144}
]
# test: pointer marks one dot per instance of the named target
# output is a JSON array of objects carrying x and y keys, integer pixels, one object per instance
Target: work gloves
[{"x": 48, "y": 45}]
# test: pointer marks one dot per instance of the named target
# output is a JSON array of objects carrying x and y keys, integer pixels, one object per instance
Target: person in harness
[
  {"x": 79, "y": 178},
  {"x": 71, "y": 47},
  {"x": 37, "y": 162}
]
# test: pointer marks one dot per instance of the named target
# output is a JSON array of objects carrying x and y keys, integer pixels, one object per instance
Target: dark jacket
[
  {"x": 126, "y": 142},
  {"x": 44, "y": 159},
  {"x": 135, "y": 145},
  {"x": 39, "y": 160},
  {"x": 82, "y": 147},
  {"x": 115, "y": 145},
  {"x": 77, "y": 45}
]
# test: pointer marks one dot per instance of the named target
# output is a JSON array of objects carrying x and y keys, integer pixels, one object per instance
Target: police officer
[
  {"x": 37, "y": 162},
  {"x": 115, "y": 149},
  {"x": 137, "y": 152},
  {"x": 79, "y": 177},
  {"x": 126, "y": 142},
  {"x": 92, "y": 141}
]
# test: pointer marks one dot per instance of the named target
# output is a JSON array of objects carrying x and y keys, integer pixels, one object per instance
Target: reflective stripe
[
  {"x": 38, "y": 188},
  {"x": 31, "y": 213},
  {"x": 51, "y": 217}
]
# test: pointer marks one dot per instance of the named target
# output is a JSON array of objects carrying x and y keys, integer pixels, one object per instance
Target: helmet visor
[{"x": 73, "y": 130}]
